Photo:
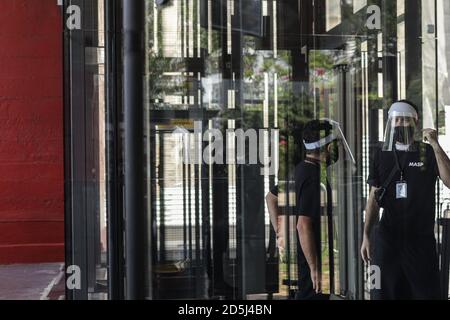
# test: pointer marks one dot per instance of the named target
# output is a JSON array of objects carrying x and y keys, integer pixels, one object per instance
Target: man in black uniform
[
  {"x": 321, "y": 140},
  {"x": 403, "y": 174}
]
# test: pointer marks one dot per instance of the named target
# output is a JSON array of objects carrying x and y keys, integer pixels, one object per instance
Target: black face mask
[{"x": 402, "y": 134}]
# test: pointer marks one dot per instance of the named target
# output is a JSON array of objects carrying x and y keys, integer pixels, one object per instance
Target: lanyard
[{"x": 400, "y": 168}]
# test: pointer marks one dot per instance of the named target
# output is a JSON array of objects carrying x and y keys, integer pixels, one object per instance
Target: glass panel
[
  {"x": 228, "y": 100},
  {"x": 95, "y": 66},
  {"x": 86, "y": 153}
]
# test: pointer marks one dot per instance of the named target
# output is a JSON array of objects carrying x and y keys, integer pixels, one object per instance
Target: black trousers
[
  {"x": 305, "y": 286},
  {"x": 408, "y": 268}
]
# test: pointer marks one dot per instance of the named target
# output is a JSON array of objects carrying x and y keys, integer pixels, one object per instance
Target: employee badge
[{"x": 401, "y": 190}]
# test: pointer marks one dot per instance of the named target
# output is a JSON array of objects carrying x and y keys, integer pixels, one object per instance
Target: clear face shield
[
  {"x": 400, "y": 128},
  {"x": 341, "y": 142},
  {"x": 336, "y": 141}
]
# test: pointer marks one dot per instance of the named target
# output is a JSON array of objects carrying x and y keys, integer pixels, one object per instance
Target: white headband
[
  {"x": 320, "y": 143},
  {"x": 402, "y": 107}
]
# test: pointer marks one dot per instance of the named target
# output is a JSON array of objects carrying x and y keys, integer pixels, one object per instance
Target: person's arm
[
  {"x": 275, "y": 218},
  {"x": 272, "y": 206},
  {"x": 281, "y": 232},
  {"x": 442, "y": 159},
  {"x": 372, "y": 216},
  {"x": 306, "y": 235}
]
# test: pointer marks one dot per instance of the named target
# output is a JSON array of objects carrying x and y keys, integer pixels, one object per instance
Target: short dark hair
[
  {"x": 411, "y": 104},
  {"x": 316, "y": 130}
]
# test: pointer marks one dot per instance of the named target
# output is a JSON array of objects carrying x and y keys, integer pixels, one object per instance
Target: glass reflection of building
[{"x": 235, "y": 64}]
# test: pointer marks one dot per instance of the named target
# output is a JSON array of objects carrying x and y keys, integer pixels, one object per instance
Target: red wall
[{"x": 31, "y": 132}]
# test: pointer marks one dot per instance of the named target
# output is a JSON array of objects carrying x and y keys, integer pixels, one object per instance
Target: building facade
[
  {"x": 31, "y": 132},
  {"x": 153, "y": 211}
]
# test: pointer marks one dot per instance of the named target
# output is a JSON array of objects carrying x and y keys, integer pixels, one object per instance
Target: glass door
[
  {"x": 216, "y": 79},
  {"x": 229, "y": 88}
]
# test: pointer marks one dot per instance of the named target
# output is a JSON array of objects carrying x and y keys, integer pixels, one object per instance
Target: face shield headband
[
  {"x": 321, "y": 143},
  {"x": 336, "y": 135}
]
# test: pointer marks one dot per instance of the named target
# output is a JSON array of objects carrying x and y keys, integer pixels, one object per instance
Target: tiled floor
[{"x": 28, "y": 281}]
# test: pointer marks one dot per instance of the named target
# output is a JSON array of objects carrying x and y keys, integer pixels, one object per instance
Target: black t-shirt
[
  {"x": 414, "y": 216},
  {"x": 307, "y": 192}
]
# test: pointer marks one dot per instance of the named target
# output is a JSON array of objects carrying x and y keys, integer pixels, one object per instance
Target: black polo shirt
[
  {"x": 307, "y": 190},
  {"x": 415, "y": 215}
]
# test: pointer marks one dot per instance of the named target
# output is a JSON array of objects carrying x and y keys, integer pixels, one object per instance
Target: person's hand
[
  {"x": 431, "y": 136},
  {"x": 280, "y": 246},
  {"x": 365, "y": 250},
  {"x": 316, "y": 279},
  {"x": 280, "y": 242}
]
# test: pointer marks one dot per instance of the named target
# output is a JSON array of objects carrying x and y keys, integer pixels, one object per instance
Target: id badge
[{"x": 401, "y": 190}]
